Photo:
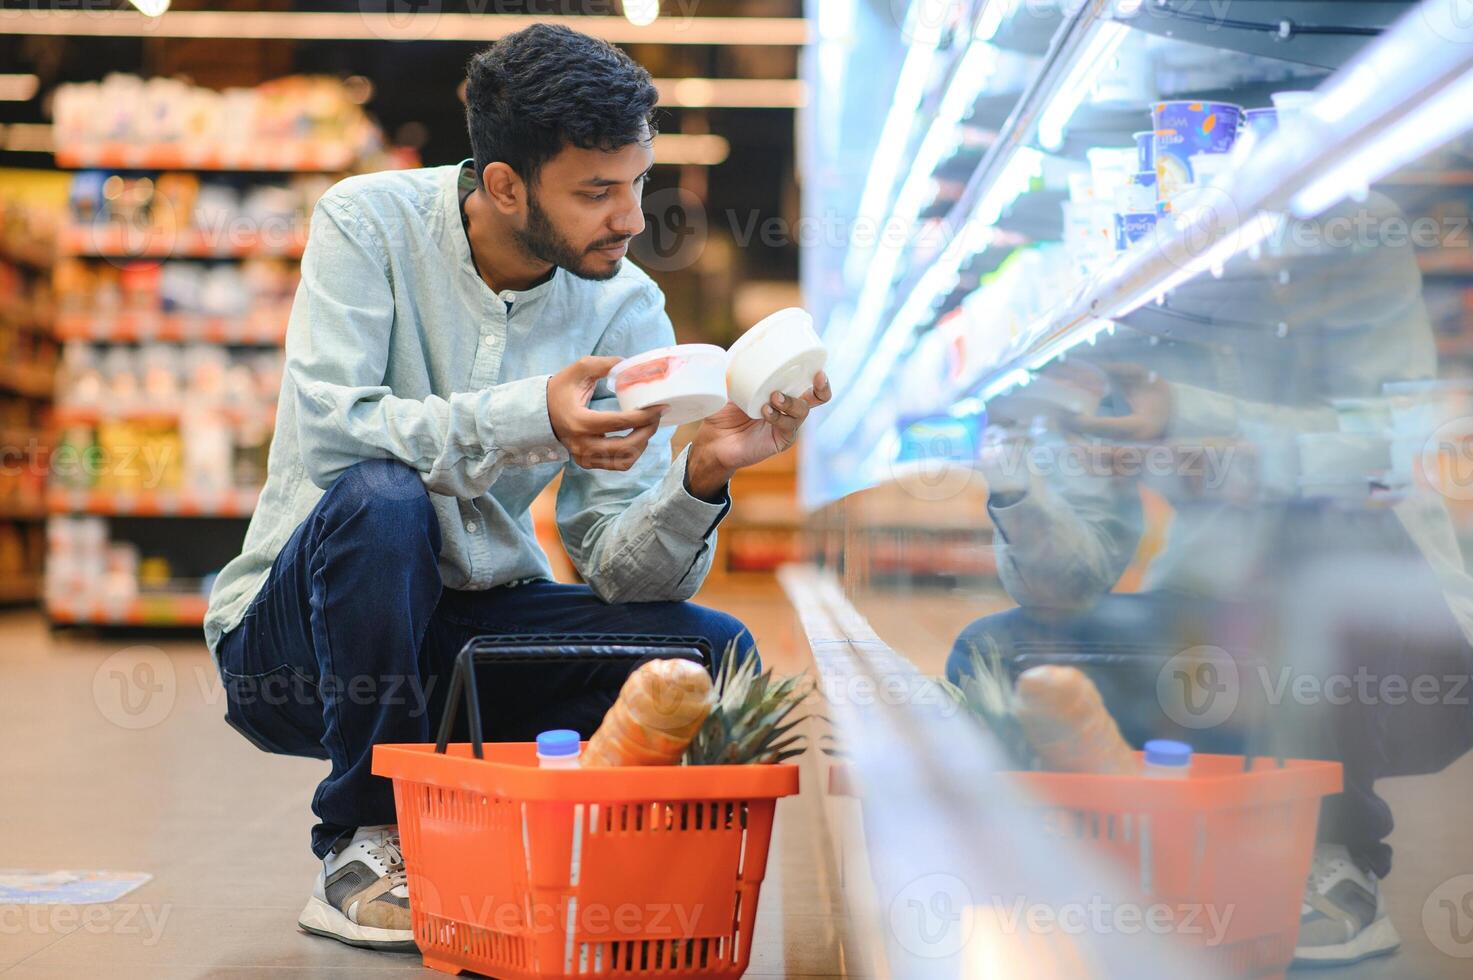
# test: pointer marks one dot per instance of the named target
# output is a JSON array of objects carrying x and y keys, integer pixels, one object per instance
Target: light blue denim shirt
[{"x": 397, "y": 349}]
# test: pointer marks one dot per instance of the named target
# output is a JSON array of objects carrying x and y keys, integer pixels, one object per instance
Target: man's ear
[{"x": 505, "y": 187}]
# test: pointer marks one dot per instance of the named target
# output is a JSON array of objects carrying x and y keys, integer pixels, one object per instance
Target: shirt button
[
  {"x": 472, "y": 527},
  {"x": 488, "y": 340}
]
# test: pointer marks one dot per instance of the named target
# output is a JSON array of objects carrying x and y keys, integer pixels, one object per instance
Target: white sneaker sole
[
  {"x": 1376, "y": 939},
  {"x": 322, "y": 919}
]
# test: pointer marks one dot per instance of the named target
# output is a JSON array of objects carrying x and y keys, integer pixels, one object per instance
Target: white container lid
[{"x": 781, "y": 352}]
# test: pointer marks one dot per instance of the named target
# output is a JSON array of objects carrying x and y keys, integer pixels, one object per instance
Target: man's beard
[{"x": 544, "y": 243}]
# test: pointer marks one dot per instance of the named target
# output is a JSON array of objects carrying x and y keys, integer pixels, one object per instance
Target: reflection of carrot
[
  {"x": 660, "y": 708},
  {"x": 1065, "y": 719}
]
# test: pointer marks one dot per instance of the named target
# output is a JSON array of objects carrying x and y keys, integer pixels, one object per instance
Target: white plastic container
[
  {"x": 690, "y": 378},
  {"x": 781, "y": 352}
]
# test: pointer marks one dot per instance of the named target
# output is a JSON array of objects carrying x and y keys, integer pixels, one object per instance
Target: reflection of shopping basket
[
  {"x": 521, "y": 873},
  {"x": 1228, "y": 839}
]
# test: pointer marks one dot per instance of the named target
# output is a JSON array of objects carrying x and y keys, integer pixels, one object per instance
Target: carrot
[
  {"x": 1066, "y": 721},
  {"x": 659, "y": 710}
]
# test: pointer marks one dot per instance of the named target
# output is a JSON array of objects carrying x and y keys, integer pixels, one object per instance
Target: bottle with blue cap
[
  {"x": 1167, "y": 759},
  {"x": 558, "y": 749}
]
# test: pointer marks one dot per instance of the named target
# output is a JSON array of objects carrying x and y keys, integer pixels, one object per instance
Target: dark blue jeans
[{"x": 352, "y": 639}]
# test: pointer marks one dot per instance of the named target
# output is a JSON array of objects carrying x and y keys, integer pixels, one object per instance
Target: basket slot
[{"x": 465, "y": 940}]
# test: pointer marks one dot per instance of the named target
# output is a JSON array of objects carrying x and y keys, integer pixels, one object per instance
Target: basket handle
[{"x": 633, "y": 650}]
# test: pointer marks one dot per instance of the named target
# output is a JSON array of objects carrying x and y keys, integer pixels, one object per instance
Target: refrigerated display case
[{"x": 1148, "y": 331}]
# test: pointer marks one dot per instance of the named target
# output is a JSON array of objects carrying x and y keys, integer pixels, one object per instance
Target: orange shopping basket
[
  {"x": 1236, "y": 835},
  {"x": 523, "y": 873}
]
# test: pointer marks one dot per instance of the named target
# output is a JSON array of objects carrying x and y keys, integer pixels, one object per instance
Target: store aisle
[{"x": 137, "y": 772}]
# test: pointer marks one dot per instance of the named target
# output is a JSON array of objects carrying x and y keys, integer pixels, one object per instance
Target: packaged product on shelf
[
  {"x": 295, "y": 113},
  {"x": 154, "y": 573},
  {"x": 120, "y": 579},
  {"x": 1132, "y": 227},
  {"x": 1261, "y": 121},
  {"x": 76, "y": 460},
  {"x": 252, "y": 450},
  {"x": 1186, "y": 128},
  {"x": 208, "y": 453},
  {"x": 76, "y": 556},
  {"x": 1145, "y": 150}
]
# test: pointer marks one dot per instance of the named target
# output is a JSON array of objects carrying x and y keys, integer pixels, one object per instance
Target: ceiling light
[{"x": 641, "y": 13}]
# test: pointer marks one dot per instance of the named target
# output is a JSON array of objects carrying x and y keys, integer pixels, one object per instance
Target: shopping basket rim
[
  {"x": 457, "y": 768},
  {"x": 1225, "y": 784}
]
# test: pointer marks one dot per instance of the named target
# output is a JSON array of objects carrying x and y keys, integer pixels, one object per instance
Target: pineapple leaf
[{"x": 750, "y": 721}]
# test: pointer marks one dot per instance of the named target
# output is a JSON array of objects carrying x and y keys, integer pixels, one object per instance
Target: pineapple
[
  {"x": 749, "y": 723},
  {"x": 987, "y": 692}
]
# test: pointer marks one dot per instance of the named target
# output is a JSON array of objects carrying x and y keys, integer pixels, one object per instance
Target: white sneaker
[
  {"x": 1343, "y": 917},
  {"x": 362, "y": 893}
]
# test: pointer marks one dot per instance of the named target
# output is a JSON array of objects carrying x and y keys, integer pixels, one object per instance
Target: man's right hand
[{"x": 584, "y": 431}]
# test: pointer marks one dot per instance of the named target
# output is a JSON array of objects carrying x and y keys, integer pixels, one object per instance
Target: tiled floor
[{"x": 170, "y": 790}]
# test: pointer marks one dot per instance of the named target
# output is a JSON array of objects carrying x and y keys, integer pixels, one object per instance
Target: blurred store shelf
[{"x": 154, "y": 503}]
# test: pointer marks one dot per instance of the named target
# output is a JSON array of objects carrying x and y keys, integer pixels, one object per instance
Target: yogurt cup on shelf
[
  {"x": 690, "y": 378},
  {"x": 781, "y": 352},
  {"x": 1132, "y": 226},
  {"x": 1145, "y": 149},
  {"x": 1261, "y": 121},
  {"x": 1185, "y": 129}
]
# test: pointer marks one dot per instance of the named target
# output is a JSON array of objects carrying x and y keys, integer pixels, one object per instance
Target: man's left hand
[{"x": 730, "y": 440}]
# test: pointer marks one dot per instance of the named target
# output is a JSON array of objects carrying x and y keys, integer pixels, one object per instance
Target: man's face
[{"x": 584, "y": 207}]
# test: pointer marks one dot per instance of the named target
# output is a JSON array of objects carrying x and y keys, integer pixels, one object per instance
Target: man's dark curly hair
[{"x": 546, "y": 87}]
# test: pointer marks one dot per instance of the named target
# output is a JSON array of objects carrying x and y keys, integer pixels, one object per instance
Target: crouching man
[{"x": 443, "y": 352}]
